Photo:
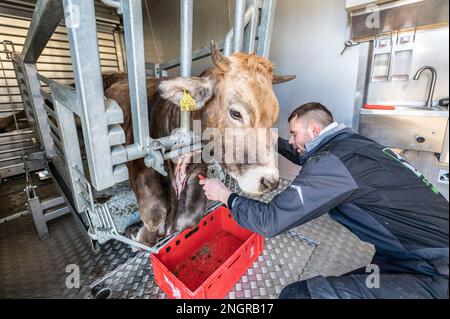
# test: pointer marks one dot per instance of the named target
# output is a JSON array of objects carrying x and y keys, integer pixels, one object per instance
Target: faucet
[{"x": 429, "y": 103}]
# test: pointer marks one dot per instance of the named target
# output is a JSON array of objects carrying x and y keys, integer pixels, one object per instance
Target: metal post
[
  {"x": 46, "y": 17},
  {"x": 252, "y": 29},
  {"x": 34, "y": 206},
  {"x": 186, "y": 20},
  {"x": 71, "y": 149},
  {"x": 239, "y": 24},
  {"x": 82, "y": 34},
  {"x": 266, "y": 28},
  {"x": 35, "y": 98},
  {"x": 228, "y": 41},
  {"x": 134, "y": 43},
  {"x": 119, "y": 50}
]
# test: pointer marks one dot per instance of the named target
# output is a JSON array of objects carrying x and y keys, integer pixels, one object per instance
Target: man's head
[{"x": 306, "y": 122}]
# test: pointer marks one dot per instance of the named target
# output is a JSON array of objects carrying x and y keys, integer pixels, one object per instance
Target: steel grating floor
[{"x": 30, "y": 268}]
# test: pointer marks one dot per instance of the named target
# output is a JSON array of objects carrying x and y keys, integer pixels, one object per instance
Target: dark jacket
[{"x": 367, "y": 188}]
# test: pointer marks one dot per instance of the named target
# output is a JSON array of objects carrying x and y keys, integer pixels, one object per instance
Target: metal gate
[{"x": 54, "y": 63}]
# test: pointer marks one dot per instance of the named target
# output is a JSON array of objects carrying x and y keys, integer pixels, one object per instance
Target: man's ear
[
  {"x": 314, "y": 129},
  {"x": 200, "y": 88}
]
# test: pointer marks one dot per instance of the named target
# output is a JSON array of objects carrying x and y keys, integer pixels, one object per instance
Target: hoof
[{"x": 132, "y": 231}]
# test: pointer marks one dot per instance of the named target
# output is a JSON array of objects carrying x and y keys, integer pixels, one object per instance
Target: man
[{"x": 367, "y": 188}]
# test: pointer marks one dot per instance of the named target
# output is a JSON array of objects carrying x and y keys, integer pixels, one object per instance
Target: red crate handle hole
[
  {"x": 192, "y": 232},
  {"x": 233, "y": 262}
]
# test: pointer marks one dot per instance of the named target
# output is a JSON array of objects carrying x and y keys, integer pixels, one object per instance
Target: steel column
[
  {"x": 33, "y": 88},
  {"x": 228, "y": 41},
  {"x": 134, "y": 42},
  {"x": 34, "y": 206},
  {"x": 266, "y": 28},
  {"x": 239, "y": 25},
  {"x": 186, "y": 21},
  {"x": 46, "y": 17},
  {"x": 89, "y": 87},
  {"x": 252, "y": 29},
  {"x": 71, "y": 149}
]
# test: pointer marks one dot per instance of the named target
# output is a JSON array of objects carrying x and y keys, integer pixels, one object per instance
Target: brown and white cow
[{"x": 236, "y": 93}]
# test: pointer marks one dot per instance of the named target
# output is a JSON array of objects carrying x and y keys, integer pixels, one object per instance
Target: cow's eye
[{"x": 235, "y": 115}]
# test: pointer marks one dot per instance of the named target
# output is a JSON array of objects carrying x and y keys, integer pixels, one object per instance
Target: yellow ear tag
[{"x": 187, "y": 103}]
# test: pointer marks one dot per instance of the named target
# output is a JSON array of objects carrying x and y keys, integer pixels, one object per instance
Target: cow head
[{"x": 236, "y": 99}]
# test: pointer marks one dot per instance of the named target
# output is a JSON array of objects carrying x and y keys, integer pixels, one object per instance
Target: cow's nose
[{"x": 270, "y": 184}]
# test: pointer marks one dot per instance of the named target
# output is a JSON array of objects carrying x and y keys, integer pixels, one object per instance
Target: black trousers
[{"x": 353, "y": 286}]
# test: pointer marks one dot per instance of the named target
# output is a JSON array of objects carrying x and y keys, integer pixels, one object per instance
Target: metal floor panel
[
  {"x": 282, "y": 262},
  {"x": 30, "y": 268},
  {"x": 339, "y": 251}
]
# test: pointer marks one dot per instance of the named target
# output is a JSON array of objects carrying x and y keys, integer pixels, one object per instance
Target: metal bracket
[
  {"x": 8, "y": 53},
  {"x": 37, "y": 209},
  {"x": 155, "y": 158},
  {"x": 115, "y": 4}
]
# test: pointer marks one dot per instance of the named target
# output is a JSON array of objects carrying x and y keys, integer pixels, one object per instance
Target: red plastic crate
[{"x": 190, "y": 266}]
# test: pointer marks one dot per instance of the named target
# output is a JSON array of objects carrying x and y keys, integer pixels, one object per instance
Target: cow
[
  {"x": 236, "y": 92},
  {"x": 13, "y": 122}
]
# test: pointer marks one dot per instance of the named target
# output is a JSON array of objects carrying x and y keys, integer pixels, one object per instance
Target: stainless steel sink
[{"x": 407, "y": 127}]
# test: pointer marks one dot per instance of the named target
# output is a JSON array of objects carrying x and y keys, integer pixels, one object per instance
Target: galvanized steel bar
[
  {"x": 39, "y": 112},
  {"x": 35, "y": 208},
  {"x": 82, "y": 35},
  {"x": 134, "y": 43},
  {"x": 252, "y": 28},
  {"x": 266, "y": 27},
  {"x": 239, "y": 25},
  {"x": 228, "y": 41},
  {"x": 71, "y": 148},
  {"x": 186, "y": 22},
  {"x": 46, "y": 17}
]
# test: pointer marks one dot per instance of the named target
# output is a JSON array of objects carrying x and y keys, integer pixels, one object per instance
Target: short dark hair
[{"x": 313, "y": 111}]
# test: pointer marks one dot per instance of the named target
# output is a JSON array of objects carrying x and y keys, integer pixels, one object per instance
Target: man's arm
[
  {"x": 286, "y": 150},
  {"x": 323, "y": 184}
]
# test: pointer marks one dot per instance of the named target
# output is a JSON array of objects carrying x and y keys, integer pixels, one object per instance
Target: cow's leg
[
  {"x": 153, "y": 205},
  {"x": 8, "y": 123},
  {"x": 133, "y": 230},
  {"x": 192, "y": 204},
  {"x": 172, "y": 213}
]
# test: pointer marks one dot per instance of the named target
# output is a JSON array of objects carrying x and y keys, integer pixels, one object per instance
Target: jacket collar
[{"x": 329, "y": 133}]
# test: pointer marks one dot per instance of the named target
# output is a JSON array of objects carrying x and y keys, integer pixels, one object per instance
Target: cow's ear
[{"x": 201, "y": 89}]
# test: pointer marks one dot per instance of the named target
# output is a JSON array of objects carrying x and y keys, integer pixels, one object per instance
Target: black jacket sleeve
[
  {"x": 322, "y": 184},
  {"x": 286, "y": 150}
]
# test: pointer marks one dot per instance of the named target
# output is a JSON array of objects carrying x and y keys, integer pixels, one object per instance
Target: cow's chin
[
  {"x": 250, "y": 187},
  {"x": 250, "y": 182}
]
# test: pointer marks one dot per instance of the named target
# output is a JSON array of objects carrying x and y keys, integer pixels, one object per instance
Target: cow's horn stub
[
  {"x": 219, "y": 59},
  {"x": 277, "y": 79}
]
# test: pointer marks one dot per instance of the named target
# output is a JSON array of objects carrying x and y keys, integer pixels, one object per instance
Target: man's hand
[{"x": 215, "y": 190}]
